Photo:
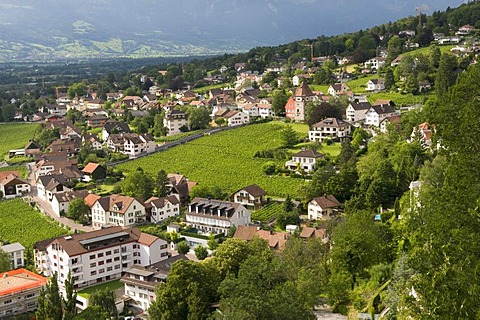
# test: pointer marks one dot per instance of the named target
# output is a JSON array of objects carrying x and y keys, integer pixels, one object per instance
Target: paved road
[{"x": 46, "y": 209}]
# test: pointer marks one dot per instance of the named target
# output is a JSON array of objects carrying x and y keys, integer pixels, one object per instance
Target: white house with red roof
[{"x": 322, "y": 208}]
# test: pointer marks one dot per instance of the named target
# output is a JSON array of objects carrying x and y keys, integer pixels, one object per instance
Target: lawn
[
  {"x": 111, "y": 286},
  {"x": 318, "y": 87},
  {"x": 226, "y": 160},
  {"x": 21, "y": 223},
  {"x": 15, "y": 136},
  {"x": 359, "y": 85}
]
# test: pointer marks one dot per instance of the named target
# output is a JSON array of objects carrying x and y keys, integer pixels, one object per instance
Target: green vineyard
[
  {"x": 267, "y": 212},
  {"x": 225, "y": 160},
  {"x": 21, "y": 223}
]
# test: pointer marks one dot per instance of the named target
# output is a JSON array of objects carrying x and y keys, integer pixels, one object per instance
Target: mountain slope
[{"x": 92, "y": 28}]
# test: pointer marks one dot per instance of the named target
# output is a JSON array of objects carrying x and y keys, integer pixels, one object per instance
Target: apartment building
[
  {"x": 97, "y": 256},
  {"x": 19, "y": 290}
]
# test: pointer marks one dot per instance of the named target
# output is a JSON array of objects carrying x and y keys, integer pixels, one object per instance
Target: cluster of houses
[{"x": 117, "y": 249}]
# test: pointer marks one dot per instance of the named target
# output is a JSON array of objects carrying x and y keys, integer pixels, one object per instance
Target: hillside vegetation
[
  {"x": 225, "y": 160},
  {"x": 14, "y": 136},
  {"x": 21, "y": 223}
]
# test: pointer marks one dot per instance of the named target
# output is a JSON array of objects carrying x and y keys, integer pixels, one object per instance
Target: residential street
[{"x": 46, "y": 209}]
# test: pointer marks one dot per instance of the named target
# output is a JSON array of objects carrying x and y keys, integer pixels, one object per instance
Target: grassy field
[
  {"x": 225, "y": 160},
  {"x": 111, "y": 286},
  {"x": 15, "y": 136},
  {"x": 21, "y": 223}
]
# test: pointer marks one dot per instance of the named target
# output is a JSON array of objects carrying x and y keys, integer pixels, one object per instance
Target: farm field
[
  {"x": 21, "y": 223},
  {"x": 15, "y": 136},
  {"x": 225, "y": 160}
]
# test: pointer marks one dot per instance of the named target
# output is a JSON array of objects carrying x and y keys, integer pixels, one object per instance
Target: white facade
[
  {"x": 98, "y": 256},
  {"x": 238, "y": 118},
  {"x": 163, "y": 208},
  {"x": 304, "y": 160},
  {"x": 14, "y": 188},
  {"x": 375, "y": 63},
  {"x": 376, "y": 114},
  {"x": 174, "y": 120},
  {"x": 215, "y": 216},
  {"x": 329, "y": 128},
  {"x": 321, "y": 211},
  {"x": 377, "y": 85},
  {"x": 15, "y": 250},
  {"x": 107, "y": 211},
  {"x": 133, "y": 147},
  {"x": 357, "y": 111}
]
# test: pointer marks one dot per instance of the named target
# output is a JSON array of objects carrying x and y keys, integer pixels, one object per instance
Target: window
[
  {"x": 101, "y": 263},
  {"x": 117, "y": 266},
  {"x": 101, "y": 271},
  {"x": 108, "y": 253},
  {"x": 93, "y": 265},
  {"x": 116, "y": 251},
  {"x": 116, "y": 259},
  {"x": 92, "y": 273},
  {"x": 109, "y": 269},
  {"x": 92, "y": 257},
  {"x": 100, "y": 255},
  {"x": 7, "y": 301},
  {"x": 109, "y": 261}
]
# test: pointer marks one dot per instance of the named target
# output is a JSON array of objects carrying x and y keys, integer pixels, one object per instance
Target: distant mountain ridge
[{"x": 54, "y": 29}]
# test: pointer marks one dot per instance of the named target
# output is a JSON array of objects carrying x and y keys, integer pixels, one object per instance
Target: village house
[
  {"x": 313, "y": 233},
  {"x": 175, "y": 121},
  {"x": 19, "y": 291},
  {"x": 93, "y": 140},
  {"x": 329, "y": 128},
  {"x": 50, "y": 184},
  {"x": 216, "y": 216},
  {"x": 131, "y": 144},
  {"x": 251, "y": 195},
  {"x": 357, "y": 111},
  {"x": 375, "y": 85},
  {"x": 323, "y": 208},
  {"x": 96, "y": 121},
  {"x": 94, "y": 171},
  {"x": 236, "y": 118},
  {"x": 112, "y": 126},
  {"x": 16, "y": 253},
  {"x": 276, "y": 240},
  {"x": 97, "y": 256},
  {"x": 118, "y": 210},
  {"x": 141, "y": 281},
  {"x": 296, "y": 79},
  {"x": 375, "y": 63},
  {"x": 386, "y": 122},
  {"x": 337, "y": 89},
  {"x": 377, "y": 113},
  {"x": 159, "y": 209},
  {"x": 423, "y": 134},
  {"x": 11, "y": 186},
  {"x": 180, "y": 186},
  {"x": 304, "y": 160},
  {"x": 138, "y": 144},
  {"x": 295, "y": 106},
  {"x": 60, "y": 201}
]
